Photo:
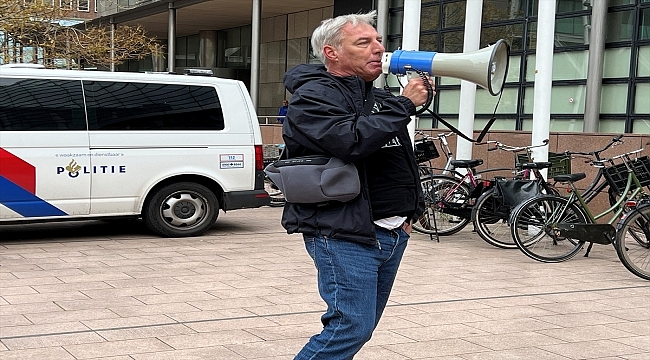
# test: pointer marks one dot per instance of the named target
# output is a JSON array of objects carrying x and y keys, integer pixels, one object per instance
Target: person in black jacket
[{"x": 356, "y": 246}]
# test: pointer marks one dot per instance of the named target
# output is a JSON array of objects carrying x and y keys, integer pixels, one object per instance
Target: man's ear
[{"x": 330, "y": 53}]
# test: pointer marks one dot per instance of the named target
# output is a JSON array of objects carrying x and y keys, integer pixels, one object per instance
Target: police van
[{"x": 171, "y": 149}]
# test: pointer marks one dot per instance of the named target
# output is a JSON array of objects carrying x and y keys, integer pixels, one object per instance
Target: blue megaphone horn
[{"x": 486, "y": 67}]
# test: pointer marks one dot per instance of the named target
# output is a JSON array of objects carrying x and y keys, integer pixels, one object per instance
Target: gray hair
[{"x": 329, "y": 31}]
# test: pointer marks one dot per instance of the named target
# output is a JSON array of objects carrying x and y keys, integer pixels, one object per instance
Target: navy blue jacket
[{"x": 326, "y": 116}]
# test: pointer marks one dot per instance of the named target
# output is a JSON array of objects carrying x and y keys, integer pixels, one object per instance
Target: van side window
[
  {"x": 41, "y": 104},
  {"x": 146, "y": 106}
]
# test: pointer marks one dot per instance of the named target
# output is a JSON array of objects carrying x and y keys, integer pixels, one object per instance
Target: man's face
[{"x": 359, "y": 53}]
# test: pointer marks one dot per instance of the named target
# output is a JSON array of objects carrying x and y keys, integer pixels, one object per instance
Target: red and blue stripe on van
[{"x": 18, "y": 188}]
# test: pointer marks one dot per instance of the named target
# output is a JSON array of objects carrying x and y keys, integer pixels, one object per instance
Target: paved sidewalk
[{"x": 246, "y": 290}]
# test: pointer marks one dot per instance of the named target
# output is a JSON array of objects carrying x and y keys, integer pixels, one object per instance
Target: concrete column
[
  {"x": 543, "y": 79},
  {"x": 113, "y": 28},
  {"x": 411, "y": 37},
  {"x": 171, "y": 39},
  {"x": 471, "y": 42},
  {"x": 382, "y": 29},
  {"x": 256, "y": 24},
  {"x": 208, "y": 48},
  {"x": 595, "y": 67}
]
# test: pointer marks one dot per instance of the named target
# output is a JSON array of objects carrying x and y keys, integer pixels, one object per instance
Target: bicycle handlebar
[
  {"x": 504, "y": 147},
  {"x": 596, "y": 153}
]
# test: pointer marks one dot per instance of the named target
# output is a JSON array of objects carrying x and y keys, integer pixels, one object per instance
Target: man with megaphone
[{"x": 356, "y": 245}]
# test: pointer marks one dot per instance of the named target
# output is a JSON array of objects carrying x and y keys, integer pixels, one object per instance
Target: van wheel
[{"x": 181, "y": 209}]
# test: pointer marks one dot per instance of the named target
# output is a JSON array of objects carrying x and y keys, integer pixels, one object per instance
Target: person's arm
[{"x": 328, "y": 124}]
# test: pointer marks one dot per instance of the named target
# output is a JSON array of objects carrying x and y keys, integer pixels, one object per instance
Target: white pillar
[
  {"x": 382, "y": 30},
  {"x": 543, "y": 78},
  {"x": 255, "y": 51},
  {"x": 171, "y": 39},
  {"x": 411, "y": 37},
  {"x": 113, "y": 29},
  {"x": 467, "y": 104}
]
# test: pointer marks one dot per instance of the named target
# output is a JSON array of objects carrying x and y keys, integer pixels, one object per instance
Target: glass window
[
  {"x": 452, "y": 42},
  {"x": 485, "y": 102},
  {"x": 644, "y": 24},
  {"x": 395, "y": 22},
  {"x": 611, "y": 126},
  {"x": 532, "y": 36},
  {"x": 499, "y": 124},
  {"x": 620, "y": 25},
  {"x": 643, "y": 68},
  {"x": 564, "y": 125},
  {"x": 641, "y": 103},
  {"x": 514, "y": 66},
  {"x": 496, "y": 10},
  {"x": 181, "y": 51},
  {"x": 429, "y": 42},
  {"x": 192, "y": 50},
  {"x": 140, "y": 106},
  {"x": 83, "y": 5},
  {"x": 571, "y": 31},
  {"x": 566, "y": 66},
  {"x": 566, "y": 99},
  {"x": 39, "y": 105},
  {"x": 641, "y": 126},
  {"x": 430, "y": 18},
  {"x": 448, "y": 101},
  {"x": 570, "y": 65},
  {"x": 621, "y": 2},
  {"x": 616, "y": 62},
  {"x": 564, "y": 6},
  {"x": 511, "y": 33},
  {"x": 613, "y": 99},
  {"x": 453, "y": 14},
  {"x": 65, "y": 4}
]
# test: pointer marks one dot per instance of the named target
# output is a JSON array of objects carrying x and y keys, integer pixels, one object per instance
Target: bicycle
[
  {"x": 554, "y": 229},
  {"x": 449, "y": 198},
  {"x": 271, "y": 154},
  {"x": 491, "y": 211},
  {"x": 494, "y": 227}
]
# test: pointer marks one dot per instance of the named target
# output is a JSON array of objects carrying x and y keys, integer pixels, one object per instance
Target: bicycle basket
[
  {"x": 616, "y": 175},
  {"x": 560, "y": 164},
  {"x": 425, "y": 150}
]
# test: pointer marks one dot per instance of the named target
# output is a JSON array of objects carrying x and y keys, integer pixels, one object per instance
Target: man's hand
[{"x": 416, "y": 90}]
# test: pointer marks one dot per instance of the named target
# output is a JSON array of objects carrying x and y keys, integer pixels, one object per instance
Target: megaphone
[{"x": 486, "y": 67}]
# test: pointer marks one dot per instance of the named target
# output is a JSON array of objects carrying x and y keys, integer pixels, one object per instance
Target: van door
[{"x": 44, "y": 153}]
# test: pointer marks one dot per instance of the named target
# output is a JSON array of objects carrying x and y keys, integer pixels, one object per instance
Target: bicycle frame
[{"x": 590, "y": 233}]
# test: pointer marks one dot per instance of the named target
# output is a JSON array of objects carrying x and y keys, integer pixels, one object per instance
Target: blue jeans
[{"x": 355, "y": 281}]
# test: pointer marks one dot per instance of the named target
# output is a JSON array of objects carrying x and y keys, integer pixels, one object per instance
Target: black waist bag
[{"x": 315, "y": 179}]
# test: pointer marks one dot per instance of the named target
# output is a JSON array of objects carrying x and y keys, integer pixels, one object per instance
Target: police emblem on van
[{"x": 75, "y": 169}]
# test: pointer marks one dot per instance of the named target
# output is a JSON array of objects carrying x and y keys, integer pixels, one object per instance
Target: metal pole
[
  {"x": 255, "y": 51},
  {"x": 382, "y": 29},
  {"x": 411, "y": 37},
  {"x": 472, "y": 41},
  {"x": 595, "y": 67},
  {"x": 171, "y": 39},
  {"x": 543, "y": 78},
  {"x": 113, "y": 28}
]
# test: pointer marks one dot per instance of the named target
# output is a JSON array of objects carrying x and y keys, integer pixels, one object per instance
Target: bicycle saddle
[
  {"x": 536, "y": 165},
  {"x": 465, "y": 164},
  {"x": 570, "y": 177}
]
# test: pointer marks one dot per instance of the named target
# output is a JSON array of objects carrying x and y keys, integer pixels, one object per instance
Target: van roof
[{"x": 39, "y": 71}]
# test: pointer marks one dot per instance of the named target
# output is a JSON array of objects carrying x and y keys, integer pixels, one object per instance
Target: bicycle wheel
[
  {"x": 532, "y": 226},
  {"x": 277, "y": 198},
  {"x": 446, "y": 205},
  {"x": 491, "y": 226},
  {"x": 632, "y": 242}
]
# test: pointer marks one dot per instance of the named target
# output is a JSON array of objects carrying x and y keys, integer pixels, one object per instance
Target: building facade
[{"x": 285, "y": 28}]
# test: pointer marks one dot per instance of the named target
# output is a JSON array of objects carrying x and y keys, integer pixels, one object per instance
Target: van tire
[{"x": 181, "y": 209}]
